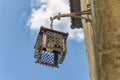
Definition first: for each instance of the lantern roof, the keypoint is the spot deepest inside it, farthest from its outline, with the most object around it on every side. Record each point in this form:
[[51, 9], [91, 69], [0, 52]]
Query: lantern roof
[[75, 6], [43, 29]]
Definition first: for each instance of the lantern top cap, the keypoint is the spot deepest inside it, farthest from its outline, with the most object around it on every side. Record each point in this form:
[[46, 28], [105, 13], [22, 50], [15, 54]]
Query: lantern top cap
[[43, 29]]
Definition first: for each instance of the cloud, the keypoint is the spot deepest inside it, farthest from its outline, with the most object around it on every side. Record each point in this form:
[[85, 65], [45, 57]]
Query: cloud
[[42, 10], [22, 16]]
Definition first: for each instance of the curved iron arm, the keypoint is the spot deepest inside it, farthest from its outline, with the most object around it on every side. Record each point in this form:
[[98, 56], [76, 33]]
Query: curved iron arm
[[74, 15]]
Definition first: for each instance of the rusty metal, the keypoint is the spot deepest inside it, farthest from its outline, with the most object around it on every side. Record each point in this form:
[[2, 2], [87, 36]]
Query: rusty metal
[[50, 47], [74, 14], [77, 15]]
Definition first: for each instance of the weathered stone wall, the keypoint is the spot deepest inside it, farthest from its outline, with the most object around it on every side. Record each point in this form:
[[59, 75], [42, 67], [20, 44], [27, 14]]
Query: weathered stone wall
[[88, 31], [107, 38]]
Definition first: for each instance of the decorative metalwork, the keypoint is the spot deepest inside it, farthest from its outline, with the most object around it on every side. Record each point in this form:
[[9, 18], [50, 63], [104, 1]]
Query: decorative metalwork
[[50, 47], [74, 15]]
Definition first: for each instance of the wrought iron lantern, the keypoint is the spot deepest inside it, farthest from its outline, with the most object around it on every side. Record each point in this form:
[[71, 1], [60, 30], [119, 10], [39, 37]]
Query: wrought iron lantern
[[50, 47]]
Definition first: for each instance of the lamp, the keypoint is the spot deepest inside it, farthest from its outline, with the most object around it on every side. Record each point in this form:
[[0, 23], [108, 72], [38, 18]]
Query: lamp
[[50, 47]]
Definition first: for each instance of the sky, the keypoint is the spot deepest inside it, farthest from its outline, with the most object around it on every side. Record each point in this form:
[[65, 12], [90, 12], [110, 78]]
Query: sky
[[20, 21]]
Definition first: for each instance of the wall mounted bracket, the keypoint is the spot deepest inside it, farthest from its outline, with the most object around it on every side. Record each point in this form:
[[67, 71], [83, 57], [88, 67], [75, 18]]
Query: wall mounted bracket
[[73, 14]]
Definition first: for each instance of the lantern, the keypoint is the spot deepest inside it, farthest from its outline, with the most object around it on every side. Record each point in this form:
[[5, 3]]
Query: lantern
[[50, 47]]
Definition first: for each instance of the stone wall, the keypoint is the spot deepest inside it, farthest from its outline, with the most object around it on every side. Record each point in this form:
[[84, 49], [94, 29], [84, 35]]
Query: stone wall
[[107, 38], [88, 31]]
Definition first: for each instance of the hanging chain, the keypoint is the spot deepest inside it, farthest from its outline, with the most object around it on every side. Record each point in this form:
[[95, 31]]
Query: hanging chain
[[51, 23]]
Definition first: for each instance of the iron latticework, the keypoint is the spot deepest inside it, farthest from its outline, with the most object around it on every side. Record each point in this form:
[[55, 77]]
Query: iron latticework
[[50, 47]]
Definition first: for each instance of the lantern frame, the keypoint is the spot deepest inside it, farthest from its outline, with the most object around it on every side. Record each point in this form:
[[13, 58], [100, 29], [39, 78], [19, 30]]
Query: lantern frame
[[50, 47]]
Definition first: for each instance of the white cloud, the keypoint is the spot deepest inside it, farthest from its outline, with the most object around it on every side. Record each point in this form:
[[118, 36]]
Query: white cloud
[[22, 16], [42, 10]]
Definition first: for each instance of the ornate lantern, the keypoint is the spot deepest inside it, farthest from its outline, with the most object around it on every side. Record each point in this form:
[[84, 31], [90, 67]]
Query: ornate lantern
[[50, 47]]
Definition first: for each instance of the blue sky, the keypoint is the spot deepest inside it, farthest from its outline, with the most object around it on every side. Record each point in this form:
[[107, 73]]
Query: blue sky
[[17, 47]]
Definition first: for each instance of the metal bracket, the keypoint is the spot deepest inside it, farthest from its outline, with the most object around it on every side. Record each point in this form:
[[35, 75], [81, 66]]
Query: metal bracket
[[74, 14]]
